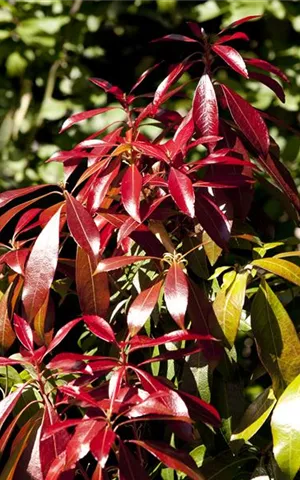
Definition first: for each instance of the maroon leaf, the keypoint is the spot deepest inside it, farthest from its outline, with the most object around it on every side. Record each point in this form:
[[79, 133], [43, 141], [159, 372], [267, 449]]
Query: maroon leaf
[[23, 332], [62, 332], [168, 81], [232, 58], [173, 458], [205, 108], [176, 293], [131, 188], [79, 395], [212, 219], [82, 227], [182, 192], [155, 151], [57, 467], [129, 226], [248, 120], [143, 76], [234, 36], [88, 286], [200, 410], [130, 468], [184, 131], [99, 327], [41, 266], [101, 445], [78, 117], [268, 67], [269, 82], [114, 263], [10, 361], [142, 307]]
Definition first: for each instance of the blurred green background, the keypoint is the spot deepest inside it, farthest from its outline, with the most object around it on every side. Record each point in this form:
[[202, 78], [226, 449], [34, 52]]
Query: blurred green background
[[49, 49]]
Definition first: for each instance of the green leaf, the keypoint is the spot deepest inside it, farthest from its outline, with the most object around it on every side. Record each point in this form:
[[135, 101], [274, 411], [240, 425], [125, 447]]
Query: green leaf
[[285, 426], [228, 307], [254, 417], [277, 340], [15, 65], [287, 270]]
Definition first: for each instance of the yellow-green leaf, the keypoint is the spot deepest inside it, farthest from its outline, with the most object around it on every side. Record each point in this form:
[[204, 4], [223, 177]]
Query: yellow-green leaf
[[228, 307], [212, 250], [255, 416], [287, 270], [7, 335], [277, 340], [286, 430]]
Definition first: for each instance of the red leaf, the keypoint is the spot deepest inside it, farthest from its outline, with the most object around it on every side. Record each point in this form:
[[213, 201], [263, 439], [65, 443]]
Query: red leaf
[[150, 150], [268, 67], [41, 266], [174, 354], [114, 263], [205, 108], [82, 227], [57, 467], [141, 341], [23, 332], [234, 36], [79, 445], [16, 260], [184, 131], [248, 120], [10, 361], [142, 307], [107, 87], [241, 21], [232, 58], [10, 195], [25, 219], [8, 403], [168, 81], [99, 327], [269, 82], [78, 117], [131, 188], [182, 192], [60, 335], [176, 293], [212, 219], [101, 186], [92, 290], [129, 226], [173, 458], [143, 76], [130, 468], [79, 395], [175, 37], [101, 445]]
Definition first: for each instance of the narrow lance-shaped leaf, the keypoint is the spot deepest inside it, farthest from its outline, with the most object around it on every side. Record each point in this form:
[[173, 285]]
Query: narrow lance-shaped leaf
[[277, 340], [182, 192], [101, 445], [99, 327], [78, 117], [131, 188], [269, 82], [82, 227], [254, 417], [287, 270], [268, 67], [7, 335], [92, 290], [171, 457], [41, 266], [129, 467], [79, 445], [286, 430], [142, 307], [234, 36], [205, 108], [23, 332], [114, 263], [232, 58], [248, 120], [228, 307], [176, 293]]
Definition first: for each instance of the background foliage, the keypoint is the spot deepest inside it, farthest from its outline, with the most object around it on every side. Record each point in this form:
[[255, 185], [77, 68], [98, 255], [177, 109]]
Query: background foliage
[[48, 50]]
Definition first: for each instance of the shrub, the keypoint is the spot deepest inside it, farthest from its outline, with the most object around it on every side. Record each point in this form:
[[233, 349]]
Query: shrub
[[128, 291]]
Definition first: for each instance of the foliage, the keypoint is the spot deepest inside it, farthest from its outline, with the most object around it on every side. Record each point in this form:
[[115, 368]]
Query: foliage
[[48, 49], [138, 292]]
